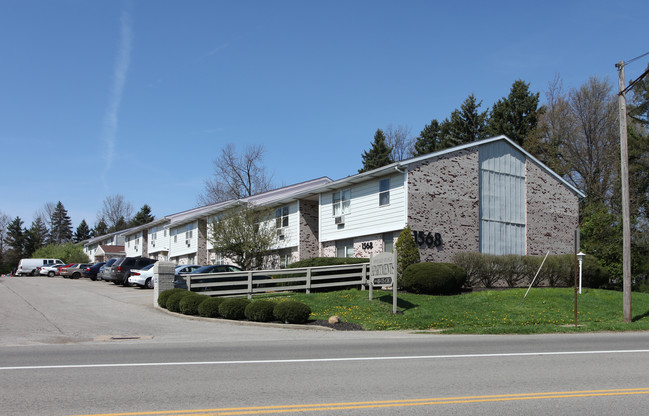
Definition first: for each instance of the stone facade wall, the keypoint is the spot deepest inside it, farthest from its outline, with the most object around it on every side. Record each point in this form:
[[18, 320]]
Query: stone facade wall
[[443, 197], [552, 213], [201, 249], [308, 246]]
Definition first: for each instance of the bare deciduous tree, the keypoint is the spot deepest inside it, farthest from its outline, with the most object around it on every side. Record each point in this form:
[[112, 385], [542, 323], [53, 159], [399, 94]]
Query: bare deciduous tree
[[578, 136], [400, 140], [236, 175], [115, 212]]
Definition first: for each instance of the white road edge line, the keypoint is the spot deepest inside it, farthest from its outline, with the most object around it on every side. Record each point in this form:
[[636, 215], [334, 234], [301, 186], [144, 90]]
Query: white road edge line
[[324, 360]]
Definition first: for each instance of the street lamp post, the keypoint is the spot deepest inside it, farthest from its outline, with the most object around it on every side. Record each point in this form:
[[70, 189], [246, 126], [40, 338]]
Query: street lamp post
[[580, 256]]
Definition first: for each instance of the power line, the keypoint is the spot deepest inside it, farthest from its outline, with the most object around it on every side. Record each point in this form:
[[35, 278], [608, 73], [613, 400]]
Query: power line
[[635, 59]]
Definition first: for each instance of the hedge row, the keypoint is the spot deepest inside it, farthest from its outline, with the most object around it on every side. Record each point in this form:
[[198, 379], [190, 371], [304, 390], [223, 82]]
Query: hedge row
[[486, 270], [192, 303]]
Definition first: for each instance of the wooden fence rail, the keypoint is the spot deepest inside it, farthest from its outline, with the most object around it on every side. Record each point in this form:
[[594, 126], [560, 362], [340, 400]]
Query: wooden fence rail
[[284, 280]]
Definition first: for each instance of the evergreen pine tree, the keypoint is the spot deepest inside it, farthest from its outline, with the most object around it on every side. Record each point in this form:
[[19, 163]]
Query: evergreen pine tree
[[35, 237], [143, 216], [83, 232], [467, 124], [61, 225], [407, 251], [515, 116], [429, 139], [100, 228], [15, 241], [378, 155]]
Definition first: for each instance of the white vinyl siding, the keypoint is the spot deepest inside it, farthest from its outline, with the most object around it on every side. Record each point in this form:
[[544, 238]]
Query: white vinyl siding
[[183, 240], [365, 216], [502, 200], [291, 232]]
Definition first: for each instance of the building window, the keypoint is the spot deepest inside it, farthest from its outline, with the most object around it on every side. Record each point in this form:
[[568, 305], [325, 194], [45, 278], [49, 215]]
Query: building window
[[284, 258], [281, 217], [174, 232], [137, 242], [388, 242], [384, 192], [341, 202], [345, 248]]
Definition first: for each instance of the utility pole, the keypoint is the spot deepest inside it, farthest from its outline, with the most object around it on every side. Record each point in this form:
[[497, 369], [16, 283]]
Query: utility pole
[[626, 217]]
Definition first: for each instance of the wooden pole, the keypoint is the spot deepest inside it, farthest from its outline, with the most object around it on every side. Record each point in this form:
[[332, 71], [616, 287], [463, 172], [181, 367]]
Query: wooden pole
[[626, 216]]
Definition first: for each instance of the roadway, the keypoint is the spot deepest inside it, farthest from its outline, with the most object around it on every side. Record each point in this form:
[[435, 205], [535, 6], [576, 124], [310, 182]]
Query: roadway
[[76, 347]]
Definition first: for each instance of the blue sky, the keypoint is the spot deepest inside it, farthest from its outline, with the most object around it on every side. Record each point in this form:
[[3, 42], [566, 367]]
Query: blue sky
[[137, 98]]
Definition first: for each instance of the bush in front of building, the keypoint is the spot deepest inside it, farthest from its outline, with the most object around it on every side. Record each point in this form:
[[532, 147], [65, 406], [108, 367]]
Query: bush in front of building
[[189, 304], [233, 308], [260, 311], [209, 308], [407, 251], [292, 312], [164, 295], [327, 261], [593, 275], [433, 279], [173, 301]]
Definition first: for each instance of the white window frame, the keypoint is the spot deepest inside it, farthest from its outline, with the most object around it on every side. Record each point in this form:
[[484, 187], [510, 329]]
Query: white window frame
[[384, 192], [282, 217], [341, 202]]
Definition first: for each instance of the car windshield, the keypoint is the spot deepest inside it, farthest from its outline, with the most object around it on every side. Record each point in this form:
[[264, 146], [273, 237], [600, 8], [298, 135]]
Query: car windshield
[[147, 267]]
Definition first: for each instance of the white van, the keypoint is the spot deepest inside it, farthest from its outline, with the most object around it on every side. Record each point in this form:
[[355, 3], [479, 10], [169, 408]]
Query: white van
[[31, 266]]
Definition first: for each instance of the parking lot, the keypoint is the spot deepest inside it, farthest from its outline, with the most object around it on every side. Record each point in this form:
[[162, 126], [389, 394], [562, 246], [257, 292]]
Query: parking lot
[[52, 310]]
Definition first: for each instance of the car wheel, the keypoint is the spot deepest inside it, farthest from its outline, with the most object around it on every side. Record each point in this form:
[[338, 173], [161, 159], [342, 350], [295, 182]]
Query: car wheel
[[33, 273], [149, 283], [76, 275], [93, 278], [115, 282], [50, 274]]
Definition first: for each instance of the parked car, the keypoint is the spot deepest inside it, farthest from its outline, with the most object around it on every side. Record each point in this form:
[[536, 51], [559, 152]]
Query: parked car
[[62, 269], [142, 277], [183, 269], [92, 270], [104, 269], [49, 270], [119, 271], [75, 271], [217, 268], [30, 266]]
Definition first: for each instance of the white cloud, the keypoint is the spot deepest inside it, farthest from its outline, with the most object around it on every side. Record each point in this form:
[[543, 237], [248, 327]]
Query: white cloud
[[111, 118]]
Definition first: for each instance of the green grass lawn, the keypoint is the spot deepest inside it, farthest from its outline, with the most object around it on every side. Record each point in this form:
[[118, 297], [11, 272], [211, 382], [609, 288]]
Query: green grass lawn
[[485, 312]]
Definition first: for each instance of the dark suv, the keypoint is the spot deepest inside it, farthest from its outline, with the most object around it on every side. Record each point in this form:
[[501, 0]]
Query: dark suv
[[118, 273]]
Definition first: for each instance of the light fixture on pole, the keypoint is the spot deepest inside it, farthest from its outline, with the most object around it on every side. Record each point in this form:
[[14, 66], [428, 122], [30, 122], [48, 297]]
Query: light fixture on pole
[[580, 257]]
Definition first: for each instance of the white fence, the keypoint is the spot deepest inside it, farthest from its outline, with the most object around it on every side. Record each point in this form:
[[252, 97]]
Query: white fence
[[265, 281]]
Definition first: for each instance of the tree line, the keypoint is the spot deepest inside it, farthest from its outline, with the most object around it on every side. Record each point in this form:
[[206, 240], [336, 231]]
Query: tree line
[[52, 226]]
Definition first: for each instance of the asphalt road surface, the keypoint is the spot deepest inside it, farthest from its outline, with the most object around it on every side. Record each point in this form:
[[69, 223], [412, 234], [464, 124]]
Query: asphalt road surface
[[77, 347]]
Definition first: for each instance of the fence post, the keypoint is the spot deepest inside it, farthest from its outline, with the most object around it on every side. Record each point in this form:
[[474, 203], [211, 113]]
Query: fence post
[[308, 280], [163, 278], [249, 285]]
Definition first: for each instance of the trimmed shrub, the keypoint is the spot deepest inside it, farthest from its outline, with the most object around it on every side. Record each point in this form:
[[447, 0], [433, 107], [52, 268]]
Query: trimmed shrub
[[292, 312], [173, 302], [260, 311], [164, 295], [407, 251], [190, 303], [209, 308], [233, 308], [433, 278], [327, 261], [472, 263]]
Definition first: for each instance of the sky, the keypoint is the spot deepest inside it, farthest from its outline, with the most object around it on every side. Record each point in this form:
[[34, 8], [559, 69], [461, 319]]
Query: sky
[[137, 98]]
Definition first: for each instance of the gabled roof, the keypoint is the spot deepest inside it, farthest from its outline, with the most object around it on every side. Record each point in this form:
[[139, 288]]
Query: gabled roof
[[277, 196], [405, 164], [111, 249], [105, 236]]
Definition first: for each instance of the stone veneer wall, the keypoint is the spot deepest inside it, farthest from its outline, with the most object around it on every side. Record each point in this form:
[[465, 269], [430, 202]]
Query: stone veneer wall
[[201, 249], [552, 213], [308, 217], [443, 197]]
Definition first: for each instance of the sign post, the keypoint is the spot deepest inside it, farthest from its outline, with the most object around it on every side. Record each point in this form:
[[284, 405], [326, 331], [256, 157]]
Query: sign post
[[383, 272]]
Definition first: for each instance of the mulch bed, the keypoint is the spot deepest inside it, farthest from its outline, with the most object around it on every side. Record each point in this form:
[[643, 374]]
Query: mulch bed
[[340, 326]]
